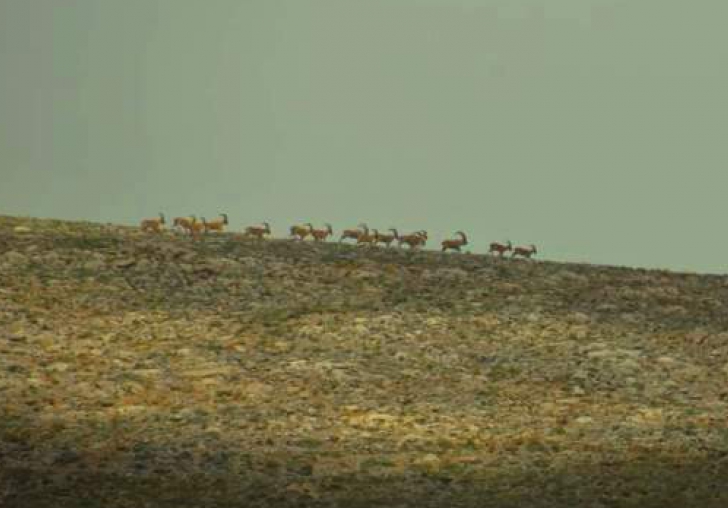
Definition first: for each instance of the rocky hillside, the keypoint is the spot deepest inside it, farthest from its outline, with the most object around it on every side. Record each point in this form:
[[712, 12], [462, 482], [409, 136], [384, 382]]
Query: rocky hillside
[[141, 370]]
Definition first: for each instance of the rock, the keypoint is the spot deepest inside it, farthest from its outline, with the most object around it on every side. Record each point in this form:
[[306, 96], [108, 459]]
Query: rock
[[583, 420], [66, 457], [647, 416], [430, 462], [666, 360], [340, 375], [453, 273], [600, 354], [224, 264], [508, 287], [257, 389], [147, 372], [364, 274], [596, 345], [533, 317], [58, 367], [93, 265], [691, 371], [361, 329], [131, 409], [183, 414], [207, 372], [187, 257], [632, 353], [580, 317], [15, 258], [628, 364], [630, 317], [673, 310], [125, 263], [51, 258], [580, 333], [206, 269], [570, 277], [21, 229], [427, 274], [143, 264]]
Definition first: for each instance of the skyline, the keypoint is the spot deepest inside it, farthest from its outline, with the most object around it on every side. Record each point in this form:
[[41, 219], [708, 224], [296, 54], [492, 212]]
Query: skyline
[[594, 129]]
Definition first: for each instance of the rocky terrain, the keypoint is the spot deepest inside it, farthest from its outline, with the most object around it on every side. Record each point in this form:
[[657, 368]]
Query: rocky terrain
[[142, 370]]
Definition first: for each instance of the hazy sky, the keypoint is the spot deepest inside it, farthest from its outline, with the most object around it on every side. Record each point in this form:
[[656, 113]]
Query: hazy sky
[[596, 129]]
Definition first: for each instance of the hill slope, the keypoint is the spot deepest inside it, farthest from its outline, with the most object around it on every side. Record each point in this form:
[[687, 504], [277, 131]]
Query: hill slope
[[245, 373]]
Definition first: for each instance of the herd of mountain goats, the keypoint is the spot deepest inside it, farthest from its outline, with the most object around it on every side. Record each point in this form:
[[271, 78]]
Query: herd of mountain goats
[[362, 235]]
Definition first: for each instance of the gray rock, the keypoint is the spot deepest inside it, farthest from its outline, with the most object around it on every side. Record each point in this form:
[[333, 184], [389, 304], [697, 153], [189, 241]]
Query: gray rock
[[94, 265], [51, 258], [125, 263], [143, 264], [453, 273], [628, 364], [364, 275], [602, 353], [15, 258], [666, 360], [580, 317], [573, 277]]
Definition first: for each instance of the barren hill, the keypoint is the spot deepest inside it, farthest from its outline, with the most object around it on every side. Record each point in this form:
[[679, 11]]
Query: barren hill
[[138, 369]]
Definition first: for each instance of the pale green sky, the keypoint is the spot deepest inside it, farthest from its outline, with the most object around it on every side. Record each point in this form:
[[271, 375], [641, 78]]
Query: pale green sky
[[596, 129]]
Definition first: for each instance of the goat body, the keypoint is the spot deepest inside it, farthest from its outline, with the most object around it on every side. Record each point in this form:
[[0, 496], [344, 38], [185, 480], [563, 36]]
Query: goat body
[[198, 227], [455, 243], [500, 248], [526, 252], [184, 223], [320, 235], [354, 234], [258, 231], [301, 232], [387, 239], [414, 240], [217, 225], [154, 225], [366, 238]]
